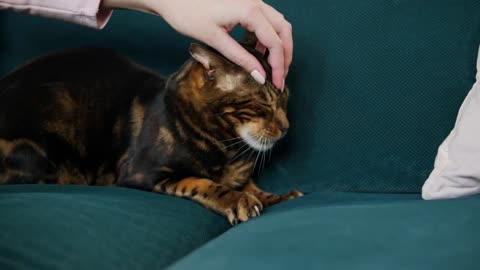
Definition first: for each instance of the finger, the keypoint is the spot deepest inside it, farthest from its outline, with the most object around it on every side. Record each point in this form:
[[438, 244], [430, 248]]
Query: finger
[[256, 22], [284, 30], [232, 50]]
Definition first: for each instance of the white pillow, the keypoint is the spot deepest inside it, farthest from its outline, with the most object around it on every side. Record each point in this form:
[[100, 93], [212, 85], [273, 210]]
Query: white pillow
[[456, 171]]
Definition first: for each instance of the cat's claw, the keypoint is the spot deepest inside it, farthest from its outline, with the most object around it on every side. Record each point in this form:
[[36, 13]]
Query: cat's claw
[[292, 195], [245, 207], [257, 210]]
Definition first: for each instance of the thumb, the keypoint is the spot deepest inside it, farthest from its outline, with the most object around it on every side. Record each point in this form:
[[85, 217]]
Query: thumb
[[233, 51]]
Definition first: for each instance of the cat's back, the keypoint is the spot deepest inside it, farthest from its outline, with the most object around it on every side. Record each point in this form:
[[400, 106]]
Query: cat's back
[[80, 67], [80, 83]]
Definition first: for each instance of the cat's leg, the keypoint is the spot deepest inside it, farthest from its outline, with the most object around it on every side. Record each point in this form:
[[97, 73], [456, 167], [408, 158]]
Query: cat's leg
[[235, 205], [269, 199], [23, 162]]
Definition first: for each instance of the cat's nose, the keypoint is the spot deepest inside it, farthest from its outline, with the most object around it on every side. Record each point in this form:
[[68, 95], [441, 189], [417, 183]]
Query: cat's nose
[[282, 127], [283, 130]]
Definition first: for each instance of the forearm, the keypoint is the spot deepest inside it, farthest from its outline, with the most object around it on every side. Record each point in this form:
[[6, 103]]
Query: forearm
[[147, 6], [208, 21], [85, 12]]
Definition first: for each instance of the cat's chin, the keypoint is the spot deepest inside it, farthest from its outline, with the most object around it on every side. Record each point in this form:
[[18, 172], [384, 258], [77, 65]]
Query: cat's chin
[[258, 143]]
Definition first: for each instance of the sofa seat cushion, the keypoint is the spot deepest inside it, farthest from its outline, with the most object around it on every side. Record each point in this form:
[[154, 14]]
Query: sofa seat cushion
[[81, 227], [350, 231]]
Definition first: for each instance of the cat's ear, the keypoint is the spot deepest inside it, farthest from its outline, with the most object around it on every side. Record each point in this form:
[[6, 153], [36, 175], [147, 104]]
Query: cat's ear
[[249, 39], [204, 56]]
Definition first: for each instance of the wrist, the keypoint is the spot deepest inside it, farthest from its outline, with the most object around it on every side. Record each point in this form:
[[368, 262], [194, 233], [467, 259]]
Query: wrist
[[147, 6]]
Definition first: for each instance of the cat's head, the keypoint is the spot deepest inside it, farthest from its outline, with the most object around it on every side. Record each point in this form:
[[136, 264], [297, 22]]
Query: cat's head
[[233, 104]]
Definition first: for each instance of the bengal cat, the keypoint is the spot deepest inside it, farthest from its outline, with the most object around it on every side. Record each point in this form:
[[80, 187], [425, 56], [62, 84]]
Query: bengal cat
[[89, 116]]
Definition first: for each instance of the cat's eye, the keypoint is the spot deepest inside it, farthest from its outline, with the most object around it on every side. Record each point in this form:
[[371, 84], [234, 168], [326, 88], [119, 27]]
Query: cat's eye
[[264, 103], [241, 102]]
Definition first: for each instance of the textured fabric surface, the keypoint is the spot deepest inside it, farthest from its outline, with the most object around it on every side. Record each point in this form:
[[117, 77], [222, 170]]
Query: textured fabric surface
[[376, 84], [457, 170], [350, 231], [376, 87], [143, 37], [72, 227]]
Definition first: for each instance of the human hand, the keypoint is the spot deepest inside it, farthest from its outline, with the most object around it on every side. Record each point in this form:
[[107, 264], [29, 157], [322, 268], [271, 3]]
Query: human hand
[[210, 21]]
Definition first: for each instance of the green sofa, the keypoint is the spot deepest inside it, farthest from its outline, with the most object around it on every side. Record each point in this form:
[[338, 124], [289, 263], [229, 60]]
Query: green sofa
[[376, 86]]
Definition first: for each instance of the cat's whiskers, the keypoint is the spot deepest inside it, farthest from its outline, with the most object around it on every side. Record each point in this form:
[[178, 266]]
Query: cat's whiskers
[[261, 156], [270, 153], [218, 114], [232, 139], [258, 154], [235, 156], [241, 153], [265, 150], [264, 140], [222, 143], [256, 159], [230, 145], [251, 153]]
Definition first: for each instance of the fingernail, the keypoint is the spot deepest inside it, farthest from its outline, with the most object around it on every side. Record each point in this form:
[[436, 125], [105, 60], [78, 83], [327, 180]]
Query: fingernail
[[283, 85], [258, 77]]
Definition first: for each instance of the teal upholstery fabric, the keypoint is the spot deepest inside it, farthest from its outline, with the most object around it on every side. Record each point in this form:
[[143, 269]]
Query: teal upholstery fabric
[[143, 37], [376, 87], [75, 227], [376, 84], [350, 231]]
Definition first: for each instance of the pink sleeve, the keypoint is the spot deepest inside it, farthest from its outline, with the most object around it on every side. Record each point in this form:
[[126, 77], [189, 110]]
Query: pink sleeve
[[85, 12]]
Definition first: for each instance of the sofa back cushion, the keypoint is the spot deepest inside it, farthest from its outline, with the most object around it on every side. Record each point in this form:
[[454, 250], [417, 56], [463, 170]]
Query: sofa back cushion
[[375, 84]]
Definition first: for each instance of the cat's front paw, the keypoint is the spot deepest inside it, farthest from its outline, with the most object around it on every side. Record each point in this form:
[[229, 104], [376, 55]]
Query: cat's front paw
[[243, 207]]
